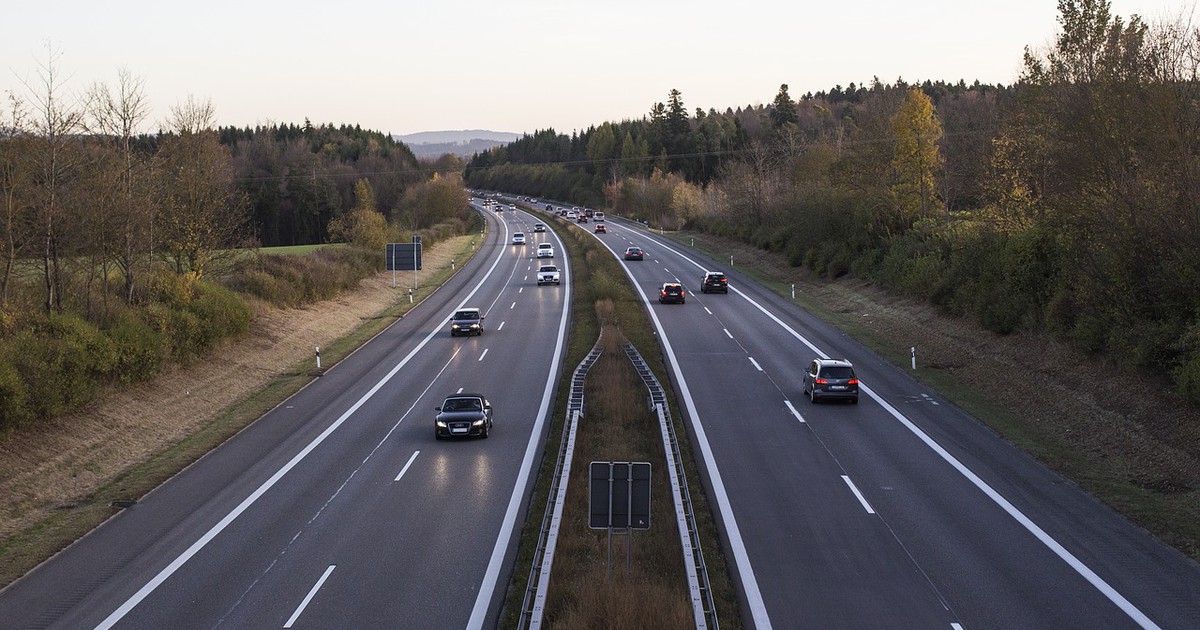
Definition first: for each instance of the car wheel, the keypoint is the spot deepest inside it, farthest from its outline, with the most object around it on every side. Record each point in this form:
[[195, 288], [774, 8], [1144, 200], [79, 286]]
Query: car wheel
[[486, 431], [812, 396], [436, 435]]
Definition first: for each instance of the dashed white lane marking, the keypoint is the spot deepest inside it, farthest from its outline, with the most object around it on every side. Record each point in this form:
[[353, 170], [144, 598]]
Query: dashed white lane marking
[[793, 410], [485, 351], [460, 390], [316, 587], [501, 327], [861, 498], [727, 334], [514, 305], [709, 312], [522, 289], [410, 461], [756, 365]]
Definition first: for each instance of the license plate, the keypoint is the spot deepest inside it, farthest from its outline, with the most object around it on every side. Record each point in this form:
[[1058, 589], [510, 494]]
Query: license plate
[[839, 387], [458, 430]]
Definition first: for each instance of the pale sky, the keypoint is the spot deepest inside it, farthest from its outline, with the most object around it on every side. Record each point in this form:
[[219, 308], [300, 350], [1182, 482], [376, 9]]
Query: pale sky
[[520, 65]]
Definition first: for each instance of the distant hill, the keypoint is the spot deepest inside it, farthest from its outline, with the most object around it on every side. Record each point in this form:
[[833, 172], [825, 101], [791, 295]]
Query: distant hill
[[466, 142]]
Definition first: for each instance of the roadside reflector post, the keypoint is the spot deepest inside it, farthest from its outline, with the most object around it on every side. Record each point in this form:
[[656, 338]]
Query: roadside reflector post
[[693, 241], [410, 296], [318, 357], [731, 260], [793, 291], [914, 357]]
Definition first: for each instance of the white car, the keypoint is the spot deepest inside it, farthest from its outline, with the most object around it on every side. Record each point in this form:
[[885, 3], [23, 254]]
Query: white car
[[518, 238], [539, 227], [572, 215], [545, 250], [547, 274]]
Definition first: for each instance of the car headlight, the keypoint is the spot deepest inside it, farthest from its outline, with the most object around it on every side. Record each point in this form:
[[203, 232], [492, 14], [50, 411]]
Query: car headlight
[[441, 424], [478, 422]]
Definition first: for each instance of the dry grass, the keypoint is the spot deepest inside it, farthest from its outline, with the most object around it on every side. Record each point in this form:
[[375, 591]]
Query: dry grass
[[617, 426], [58, 478]]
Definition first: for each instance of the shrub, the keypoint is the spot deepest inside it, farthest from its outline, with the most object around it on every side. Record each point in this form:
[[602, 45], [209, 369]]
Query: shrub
[[139, 349], [14, 395]]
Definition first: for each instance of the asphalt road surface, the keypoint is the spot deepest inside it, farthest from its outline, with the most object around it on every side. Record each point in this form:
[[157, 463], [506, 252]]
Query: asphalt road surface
[[899, 512], [339, 509]]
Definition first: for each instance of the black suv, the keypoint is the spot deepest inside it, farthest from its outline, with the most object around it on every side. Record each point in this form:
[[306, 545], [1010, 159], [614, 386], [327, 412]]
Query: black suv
[[831, 378], [714, 282], [671, 292], [463, 415]]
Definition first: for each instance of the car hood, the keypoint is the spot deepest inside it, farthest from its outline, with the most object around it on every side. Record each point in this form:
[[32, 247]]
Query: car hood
[[451, 416]]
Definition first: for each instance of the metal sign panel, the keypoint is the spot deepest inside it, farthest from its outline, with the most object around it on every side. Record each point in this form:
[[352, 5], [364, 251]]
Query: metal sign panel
[[619, 495], [404, 256]]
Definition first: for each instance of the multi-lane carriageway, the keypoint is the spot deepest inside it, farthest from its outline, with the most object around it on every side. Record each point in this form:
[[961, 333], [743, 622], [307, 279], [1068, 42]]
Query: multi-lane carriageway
[[339, 509]]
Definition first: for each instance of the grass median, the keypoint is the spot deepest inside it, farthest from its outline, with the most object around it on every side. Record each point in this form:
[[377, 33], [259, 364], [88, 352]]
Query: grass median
[[617, 427]]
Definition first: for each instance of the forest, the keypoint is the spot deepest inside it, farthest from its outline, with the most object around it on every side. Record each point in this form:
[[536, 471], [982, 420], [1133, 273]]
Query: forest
[[1067, 203], [124, 251]]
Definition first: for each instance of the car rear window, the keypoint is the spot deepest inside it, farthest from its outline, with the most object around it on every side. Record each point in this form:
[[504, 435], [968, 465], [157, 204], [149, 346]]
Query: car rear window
[[837, 371]]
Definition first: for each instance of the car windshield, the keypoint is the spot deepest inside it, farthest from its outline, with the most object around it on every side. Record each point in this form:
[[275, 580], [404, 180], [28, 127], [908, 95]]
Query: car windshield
[[462, 404], [466, 315], [837, 371]]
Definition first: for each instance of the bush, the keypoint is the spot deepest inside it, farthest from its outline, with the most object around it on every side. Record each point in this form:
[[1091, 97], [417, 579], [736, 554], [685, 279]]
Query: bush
[[139, 349], [14, 395]]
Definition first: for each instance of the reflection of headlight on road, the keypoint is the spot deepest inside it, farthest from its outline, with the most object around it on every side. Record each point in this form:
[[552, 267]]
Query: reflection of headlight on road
[[441, 424]]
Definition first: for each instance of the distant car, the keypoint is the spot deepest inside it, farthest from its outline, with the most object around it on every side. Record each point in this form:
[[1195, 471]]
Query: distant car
[[463, 415], [562, 212], [499, 207], [539, 227], [547, 274], [466, 321], [549, 208], [589, 213], [533, 200], [572, 214], [831, 378], [634, 253], [545, 250], [581, 218], [598, 216], [714, 282], [600, 229], [671, 293], [518, 238]]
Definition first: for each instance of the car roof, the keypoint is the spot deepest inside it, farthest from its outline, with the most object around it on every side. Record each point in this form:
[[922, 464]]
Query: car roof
[[834, 362], [671, 284], [465, 395]]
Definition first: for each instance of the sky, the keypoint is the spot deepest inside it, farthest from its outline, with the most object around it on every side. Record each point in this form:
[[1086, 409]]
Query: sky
[[517, 65]]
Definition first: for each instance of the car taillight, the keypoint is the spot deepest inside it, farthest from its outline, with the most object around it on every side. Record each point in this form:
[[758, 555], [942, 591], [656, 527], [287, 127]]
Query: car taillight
[[821, 381], [852, 381]]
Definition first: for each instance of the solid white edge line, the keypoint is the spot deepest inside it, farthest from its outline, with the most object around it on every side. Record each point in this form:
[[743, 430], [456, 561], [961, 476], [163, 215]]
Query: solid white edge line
[[793, 410], [861, 498], [756, 365], [485, 351], [492, 575], [308, 598], [727, 333], [1082, 569], [410, 463], [195, 547], [560, 501], [754, 600]]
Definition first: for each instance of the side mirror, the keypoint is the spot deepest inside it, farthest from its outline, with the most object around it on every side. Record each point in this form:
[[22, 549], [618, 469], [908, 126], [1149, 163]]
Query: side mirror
[[437, 408]]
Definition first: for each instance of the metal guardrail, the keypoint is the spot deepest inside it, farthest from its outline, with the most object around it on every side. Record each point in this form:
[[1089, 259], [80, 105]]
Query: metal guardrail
[[534, 603], [703, 609]]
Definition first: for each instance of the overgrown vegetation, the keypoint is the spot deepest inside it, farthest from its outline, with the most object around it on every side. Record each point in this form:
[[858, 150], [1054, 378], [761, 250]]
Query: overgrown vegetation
[[1065, 203], [119, 249]]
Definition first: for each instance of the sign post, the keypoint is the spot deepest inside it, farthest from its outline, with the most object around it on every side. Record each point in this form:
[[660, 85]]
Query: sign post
[[619, 500]]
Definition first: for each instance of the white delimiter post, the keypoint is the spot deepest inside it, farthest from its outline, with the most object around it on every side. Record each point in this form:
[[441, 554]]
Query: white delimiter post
[[318, 357], [914, 357]]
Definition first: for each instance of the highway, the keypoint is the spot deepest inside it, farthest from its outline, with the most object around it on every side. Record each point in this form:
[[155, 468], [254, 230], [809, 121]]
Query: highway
[[339, 509], [899, 512]]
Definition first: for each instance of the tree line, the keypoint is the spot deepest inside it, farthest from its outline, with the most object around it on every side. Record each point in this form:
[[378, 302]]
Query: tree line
[[123, 250], [1066, 203]]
